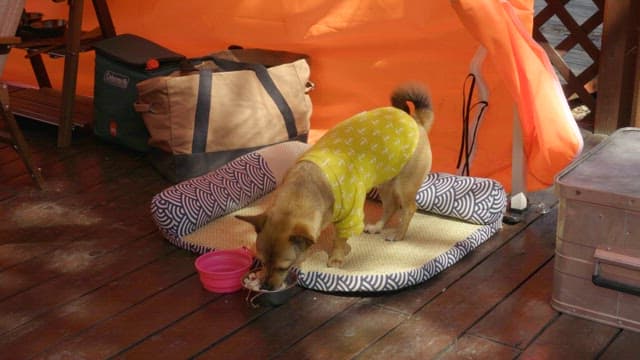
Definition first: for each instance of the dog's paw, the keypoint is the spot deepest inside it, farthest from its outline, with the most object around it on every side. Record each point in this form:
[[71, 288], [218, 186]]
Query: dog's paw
[[394, 237], [334, 262], [373, 228], [336, 259]]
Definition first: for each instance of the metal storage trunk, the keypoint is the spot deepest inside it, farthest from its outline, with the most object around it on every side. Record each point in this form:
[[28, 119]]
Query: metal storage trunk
[[597, 262]]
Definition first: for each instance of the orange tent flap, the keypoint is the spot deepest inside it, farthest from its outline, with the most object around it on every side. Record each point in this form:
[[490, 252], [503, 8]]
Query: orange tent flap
[[360, 50], [550, 134]]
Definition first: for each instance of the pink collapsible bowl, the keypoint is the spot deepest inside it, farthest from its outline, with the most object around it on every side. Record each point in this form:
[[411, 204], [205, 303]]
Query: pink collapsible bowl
[[221, 271]]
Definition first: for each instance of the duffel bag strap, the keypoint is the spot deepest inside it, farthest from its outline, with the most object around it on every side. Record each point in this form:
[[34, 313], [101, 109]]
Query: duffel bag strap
[[203, 108], [269, 85]]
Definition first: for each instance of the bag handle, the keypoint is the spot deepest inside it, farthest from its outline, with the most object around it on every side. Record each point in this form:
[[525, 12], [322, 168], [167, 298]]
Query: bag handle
[[203, 105], [265, 57]]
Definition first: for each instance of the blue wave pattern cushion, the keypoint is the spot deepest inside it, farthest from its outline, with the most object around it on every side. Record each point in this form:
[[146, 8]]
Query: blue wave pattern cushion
[[190, 207], [185, 207], [472, 199]]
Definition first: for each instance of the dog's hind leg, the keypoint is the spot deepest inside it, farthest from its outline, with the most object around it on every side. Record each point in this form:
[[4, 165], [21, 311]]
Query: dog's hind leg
[[407, 210], [400, 196], [389, 207], [403, 188]]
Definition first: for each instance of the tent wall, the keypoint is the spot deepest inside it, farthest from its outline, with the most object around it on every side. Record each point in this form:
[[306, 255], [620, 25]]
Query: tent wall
[[359, 51]]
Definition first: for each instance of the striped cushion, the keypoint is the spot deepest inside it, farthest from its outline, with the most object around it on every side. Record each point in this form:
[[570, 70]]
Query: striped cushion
[[185, 207], [472, 199]]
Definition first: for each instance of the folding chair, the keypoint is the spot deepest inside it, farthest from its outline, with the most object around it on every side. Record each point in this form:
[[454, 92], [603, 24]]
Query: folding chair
[[11, 12]]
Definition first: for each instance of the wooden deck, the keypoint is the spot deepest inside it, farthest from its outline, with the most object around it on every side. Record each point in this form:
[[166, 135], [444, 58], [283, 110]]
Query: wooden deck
[[84, 274]]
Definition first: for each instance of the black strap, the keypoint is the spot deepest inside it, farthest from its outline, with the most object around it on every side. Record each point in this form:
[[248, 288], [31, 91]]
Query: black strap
[[468, 141], [203, 108], [270, 86]]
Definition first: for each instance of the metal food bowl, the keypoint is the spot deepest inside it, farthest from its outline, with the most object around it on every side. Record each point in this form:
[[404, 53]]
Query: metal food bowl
[[258, 296]]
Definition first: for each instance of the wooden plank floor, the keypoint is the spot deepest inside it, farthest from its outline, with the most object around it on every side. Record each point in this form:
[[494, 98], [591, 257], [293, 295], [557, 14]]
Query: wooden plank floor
[[84, 274]]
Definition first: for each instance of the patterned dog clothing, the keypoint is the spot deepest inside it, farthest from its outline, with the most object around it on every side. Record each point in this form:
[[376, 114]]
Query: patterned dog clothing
[[360, 153]]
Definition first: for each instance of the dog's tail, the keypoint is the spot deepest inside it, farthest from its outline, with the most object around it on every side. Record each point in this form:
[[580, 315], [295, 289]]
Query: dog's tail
[[421, 100]]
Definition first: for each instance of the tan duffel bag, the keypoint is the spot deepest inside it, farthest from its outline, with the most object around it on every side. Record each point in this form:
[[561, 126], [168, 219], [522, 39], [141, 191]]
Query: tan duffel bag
[[223, 106]]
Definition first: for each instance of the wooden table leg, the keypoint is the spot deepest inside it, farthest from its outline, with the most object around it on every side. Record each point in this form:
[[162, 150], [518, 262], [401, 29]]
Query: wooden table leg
[[16, 138], [70, 72], [104, 18], [39, 70]]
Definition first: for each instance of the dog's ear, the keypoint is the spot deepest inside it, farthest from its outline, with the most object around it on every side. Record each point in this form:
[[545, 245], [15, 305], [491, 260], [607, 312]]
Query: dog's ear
[[301, 237], [256, 220]]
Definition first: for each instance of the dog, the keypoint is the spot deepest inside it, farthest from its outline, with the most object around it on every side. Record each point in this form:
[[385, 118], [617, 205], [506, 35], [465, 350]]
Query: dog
[[387, 148]]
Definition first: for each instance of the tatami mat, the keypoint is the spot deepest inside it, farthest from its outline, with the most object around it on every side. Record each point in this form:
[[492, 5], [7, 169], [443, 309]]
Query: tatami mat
[[432, 243]]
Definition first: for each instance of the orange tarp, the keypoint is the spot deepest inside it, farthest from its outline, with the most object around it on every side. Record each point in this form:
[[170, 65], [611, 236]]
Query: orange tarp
[[359, 51], [551, 136]]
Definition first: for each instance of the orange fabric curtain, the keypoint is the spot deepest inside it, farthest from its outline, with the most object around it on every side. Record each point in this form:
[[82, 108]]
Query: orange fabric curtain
[[360, 50], [550, 134]]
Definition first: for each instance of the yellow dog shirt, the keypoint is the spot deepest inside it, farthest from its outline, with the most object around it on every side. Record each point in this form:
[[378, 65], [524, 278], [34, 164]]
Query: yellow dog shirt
[[360, 153]]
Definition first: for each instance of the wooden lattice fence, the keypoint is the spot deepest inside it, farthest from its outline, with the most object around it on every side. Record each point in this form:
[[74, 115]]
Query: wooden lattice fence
[[593, 44], [570, 34]]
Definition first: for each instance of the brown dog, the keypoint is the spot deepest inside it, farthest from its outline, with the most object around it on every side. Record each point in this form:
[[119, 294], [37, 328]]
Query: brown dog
[[385, 148]]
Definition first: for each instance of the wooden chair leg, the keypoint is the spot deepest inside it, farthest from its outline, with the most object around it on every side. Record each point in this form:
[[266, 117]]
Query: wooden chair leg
[[70, 75], [16, 139], [40, 71]]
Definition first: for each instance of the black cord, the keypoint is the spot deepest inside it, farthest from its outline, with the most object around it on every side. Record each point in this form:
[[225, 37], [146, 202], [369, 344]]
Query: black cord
[[465, 118], [466, 144]]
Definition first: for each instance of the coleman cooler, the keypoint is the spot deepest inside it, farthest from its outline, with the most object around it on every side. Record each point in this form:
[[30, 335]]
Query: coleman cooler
[[121, 62], [597, 262]]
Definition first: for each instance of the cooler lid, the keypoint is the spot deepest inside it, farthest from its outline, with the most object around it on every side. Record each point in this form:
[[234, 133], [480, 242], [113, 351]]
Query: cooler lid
[[608, 174], [135, 50]]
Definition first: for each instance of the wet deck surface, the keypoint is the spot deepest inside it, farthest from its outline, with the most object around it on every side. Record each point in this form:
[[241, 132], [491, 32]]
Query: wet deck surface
[[84, 273]]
